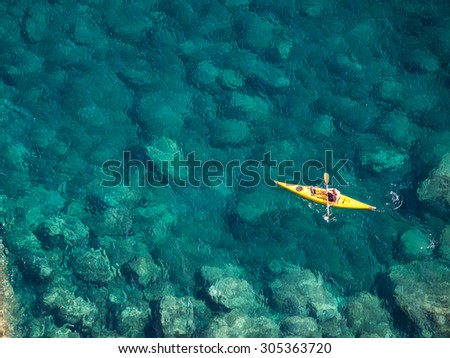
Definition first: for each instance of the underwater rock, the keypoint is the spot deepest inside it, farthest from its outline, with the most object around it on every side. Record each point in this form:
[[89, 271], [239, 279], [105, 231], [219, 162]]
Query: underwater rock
[[126, 196], [205, 76], [380, 159], [252, 207], [421, 290], [22, 67], [257, 33], [237, 324], [417, 10], [335, 328], [183, 12], [115, 221], [17, 240], [177, 316], [207, 108], [35, 266], [60, 332], [11, 309], [367, 317], [300, 104], [145, 269], [6, 294], [162, 112], [233, 4], [36, 24], [198, 49], [39, 204], [10, 35], [158, 216], [354, 114], [166, 59], [442, 35], [46, 139], [61, 231], [6, 206], [345, 67], [132, 321], [435, 191], [139, 76], [419, 104], [392, 90], [127, 25], [302, 293], [298, 326], [360, 260], [68, 308], [255, 108], [108, 103], [86, 30], [233, 293], [365, 30], [283, 48], [419, 60], [399, 129], [323, 126], [256, 71], [160, 289], [415, 245], [34, 263], [227, 287], [280, 150], [117, 299], [313, 8], [91, 266], [65, 53], [16, 154], [230, 132], [217, 27], [211, 274], [45, 327], [122, 251], [92, 116], [163, 151], [444, 248], [230, 79]]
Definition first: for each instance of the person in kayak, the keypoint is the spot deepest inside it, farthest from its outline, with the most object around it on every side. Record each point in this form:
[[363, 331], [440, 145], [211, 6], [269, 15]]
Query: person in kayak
[[333, 195]]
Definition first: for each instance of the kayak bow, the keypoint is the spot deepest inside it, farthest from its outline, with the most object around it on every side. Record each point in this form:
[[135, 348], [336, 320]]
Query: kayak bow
[[320, 197]]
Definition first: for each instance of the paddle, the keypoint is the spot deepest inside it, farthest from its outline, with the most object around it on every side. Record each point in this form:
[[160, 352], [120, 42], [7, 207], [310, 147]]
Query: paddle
[[326, 179]]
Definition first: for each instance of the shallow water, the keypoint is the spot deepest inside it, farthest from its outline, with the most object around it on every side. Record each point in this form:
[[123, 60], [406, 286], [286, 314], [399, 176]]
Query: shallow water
[[228, 81]]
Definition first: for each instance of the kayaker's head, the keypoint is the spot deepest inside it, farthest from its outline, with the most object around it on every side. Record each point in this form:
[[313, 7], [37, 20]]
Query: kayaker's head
[[330, 196]]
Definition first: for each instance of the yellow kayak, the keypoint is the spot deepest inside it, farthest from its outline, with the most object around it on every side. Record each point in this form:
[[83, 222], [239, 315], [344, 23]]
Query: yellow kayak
[[320, 196]]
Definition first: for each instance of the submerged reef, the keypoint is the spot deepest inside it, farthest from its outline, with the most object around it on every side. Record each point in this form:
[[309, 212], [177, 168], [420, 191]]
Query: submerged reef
[[421, 291], [4, 286], [11, 314], [435, 190]]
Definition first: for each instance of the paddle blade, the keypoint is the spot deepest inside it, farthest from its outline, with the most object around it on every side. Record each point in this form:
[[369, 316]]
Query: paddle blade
[[326, 178]]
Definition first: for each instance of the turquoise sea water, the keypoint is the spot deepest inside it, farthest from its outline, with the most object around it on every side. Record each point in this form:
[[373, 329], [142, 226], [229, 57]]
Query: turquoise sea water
[[84, 82]]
